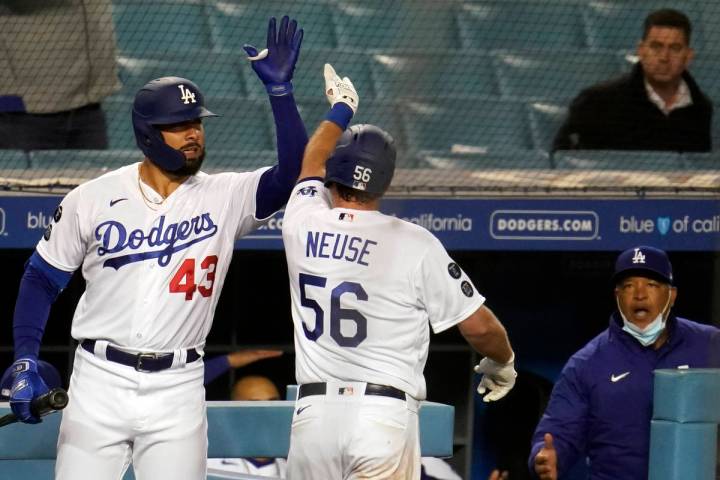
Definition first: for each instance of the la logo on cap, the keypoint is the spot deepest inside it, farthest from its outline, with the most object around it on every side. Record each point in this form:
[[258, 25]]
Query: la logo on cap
[[638, 257]]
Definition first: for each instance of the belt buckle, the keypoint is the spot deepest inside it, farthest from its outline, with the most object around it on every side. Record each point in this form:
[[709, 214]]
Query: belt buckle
[[144, 356]]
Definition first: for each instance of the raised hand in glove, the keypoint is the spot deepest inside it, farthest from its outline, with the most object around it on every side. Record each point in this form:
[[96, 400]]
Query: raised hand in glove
[[27, 385], [498, 378], [339, 89], [276, 63]]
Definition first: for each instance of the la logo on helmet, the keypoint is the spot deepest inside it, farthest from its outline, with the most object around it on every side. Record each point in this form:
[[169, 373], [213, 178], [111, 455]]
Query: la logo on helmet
[[639, 257], [187, 95]]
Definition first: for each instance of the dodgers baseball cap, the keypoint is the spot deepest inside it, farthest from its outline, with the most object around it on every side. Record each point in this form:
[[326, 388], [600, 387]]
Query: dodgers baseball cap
[[643, 260], [47, 372]]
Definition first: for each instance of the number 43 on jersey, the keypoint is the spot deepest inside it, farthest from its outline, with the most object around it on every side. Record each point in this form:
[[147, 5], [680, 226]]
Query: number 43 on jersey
[[184, 279]]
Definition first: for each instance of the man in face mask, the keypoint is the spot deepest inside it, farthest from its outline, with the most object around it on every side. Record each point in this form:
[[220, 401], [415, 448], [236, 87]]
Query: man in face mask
[[601, 406]]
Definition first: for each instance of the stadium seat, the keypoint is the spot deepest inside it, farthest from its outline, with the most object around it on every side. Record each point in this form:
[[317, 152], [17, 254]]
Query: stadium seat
[[470, 126], [308, 82], [237, 22], [244, 124], [545, 120], [617, 160], [239, 160], [557, 75], [522, 24], [118, 116], [161, 26], [215, 74], [14, 160], [618, 24], [65, 161], [454, 74], [400, 25], [705, 68], [383, 114], [518, 159], [702, 161]]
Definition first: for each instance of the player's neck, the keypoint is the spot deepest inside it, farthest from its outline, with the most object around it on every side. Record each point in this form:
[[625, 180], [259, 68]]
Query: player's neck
[[159, 180], [338, 202]]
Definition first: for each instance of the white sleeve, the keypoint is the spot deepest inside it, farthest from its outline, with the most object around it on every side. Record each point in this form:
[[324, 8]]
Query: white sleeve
[[308, 196], [447, 292], [65, 240], [242, 200]]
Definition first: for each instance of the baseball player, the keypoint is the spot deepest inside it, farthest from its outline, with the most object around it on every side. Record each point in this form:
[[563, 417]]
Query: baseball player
[[364, 288], [154, 240]]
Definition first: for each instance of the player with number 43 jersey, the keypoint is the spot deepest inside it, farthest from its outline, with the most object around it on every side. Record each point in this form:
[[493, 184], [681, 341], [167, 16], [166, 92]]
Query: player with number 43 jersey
[[366, 288], [154, 241]]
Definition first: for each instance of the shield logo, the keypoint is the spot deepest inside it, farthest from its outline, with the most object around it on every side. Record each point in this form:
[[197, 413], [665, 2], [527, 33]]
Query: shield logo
[[663, 224]]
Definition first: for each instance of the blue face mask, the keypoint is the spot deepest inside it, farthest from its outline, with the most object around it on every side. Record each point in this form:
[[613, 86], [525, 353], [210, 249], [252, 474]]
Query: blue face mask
[[648, 335]]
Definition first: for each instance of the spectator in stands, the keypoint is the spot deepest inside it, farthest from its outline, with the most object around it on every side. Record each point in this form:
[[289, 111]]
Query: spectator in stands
[[601, 406], [657, 106], [58, 63]]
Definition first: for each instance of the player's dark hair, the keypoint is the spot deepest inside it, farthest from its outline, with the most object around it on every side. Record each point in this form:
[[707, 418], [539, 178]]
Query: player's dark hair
[[353, 195], [668, 17]]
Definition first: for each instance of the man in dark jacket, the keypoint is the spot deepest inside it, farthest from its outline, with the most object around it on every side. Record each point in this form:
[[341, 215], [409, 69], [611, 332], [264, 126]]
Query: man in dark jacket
[[601, 406], [657, 106]]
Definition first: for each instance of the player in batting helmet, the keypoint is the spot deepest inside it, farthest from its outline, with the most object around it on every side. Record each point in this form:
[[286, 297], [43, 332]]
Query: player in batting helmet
[[364, 159], [166, 101]]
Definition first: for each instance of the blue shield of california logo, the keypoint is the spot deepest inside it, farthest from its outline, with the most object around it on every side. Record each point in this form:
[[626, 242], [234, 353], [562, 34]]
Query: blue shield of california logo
[[663, 224]]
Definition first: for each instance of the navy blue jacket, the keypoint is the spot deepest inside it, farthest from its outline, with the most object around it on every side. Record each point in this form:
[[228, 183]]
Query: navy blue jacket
[[601, 406]]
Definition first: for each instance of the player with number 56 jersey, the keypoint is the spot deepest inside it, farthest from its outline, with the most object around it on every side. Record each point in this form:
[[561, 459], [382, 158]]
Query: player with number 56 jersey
[[366, 289], [154, 241]]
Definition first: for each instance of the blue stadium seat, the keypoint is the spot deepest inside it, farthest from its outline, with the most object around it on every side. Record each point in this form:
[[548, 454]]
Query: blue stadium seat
[[308, 82], [467, 125], [557, 75], [522, 24], [453, 74], [401, 25], [215, 74], [617, 160], [239, 160], [83, 160], [118, 116], [144, 27], [545, 120], [518, 159], [705, 68], [244, 124], [618, 24], [236, 22], [14, 160], [702, 161], [384, 114]]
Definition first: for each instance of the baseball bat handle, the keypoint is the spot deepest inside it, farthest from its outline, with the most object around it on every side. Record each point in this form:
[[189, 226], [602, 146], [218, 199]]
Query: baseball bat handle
[[52, 401]]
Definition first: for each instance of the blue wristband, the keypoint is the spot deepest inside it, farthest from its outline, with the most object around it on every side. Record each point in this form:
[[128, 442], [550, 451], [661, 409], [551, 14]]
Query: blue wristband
[[340, 114], [279, 89]]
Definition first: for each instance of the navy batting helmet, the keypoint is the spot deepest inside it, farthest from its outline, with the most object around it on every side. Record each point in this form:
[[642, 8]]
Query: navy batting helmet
[[364, 159], [165, 101]]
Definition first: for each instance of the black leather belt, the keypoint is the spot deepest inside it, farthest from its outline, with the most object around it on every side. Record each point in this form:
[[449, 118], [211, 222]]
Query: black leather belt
[[307, 389], [142, 362]]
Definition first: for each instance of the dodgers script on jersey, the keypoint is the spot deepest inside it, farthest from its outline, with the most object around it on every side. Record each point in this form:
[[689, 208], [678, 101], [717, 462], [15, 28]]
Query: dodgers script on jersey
[[365, 286], [154, 269]]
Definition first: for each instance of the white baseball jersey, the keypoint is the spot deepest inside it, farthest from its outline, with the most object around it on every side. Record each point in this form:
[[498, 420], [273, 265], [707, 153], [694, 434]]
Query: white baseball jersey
[[153, 272], [364, 288]]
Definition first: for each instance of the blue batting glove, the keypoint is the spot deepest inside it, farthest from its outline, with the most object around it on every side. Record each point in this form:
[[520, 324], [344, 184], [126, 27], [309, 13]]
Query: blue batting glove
[[275, 64], [27, 385]]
